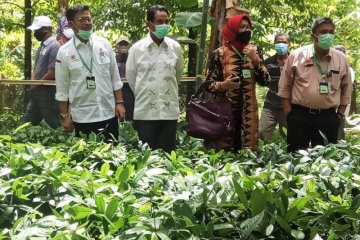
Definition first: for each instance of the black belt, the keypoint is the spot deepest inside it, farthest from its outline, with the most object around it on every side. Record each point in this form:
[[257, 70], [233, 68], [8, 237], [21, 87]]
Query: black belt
[[314, 110]]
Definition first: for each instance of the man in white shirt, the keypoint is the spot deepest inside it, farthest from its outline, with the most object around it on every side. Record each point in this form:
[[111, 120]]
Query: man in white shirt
[[153, 70], [87, 80]]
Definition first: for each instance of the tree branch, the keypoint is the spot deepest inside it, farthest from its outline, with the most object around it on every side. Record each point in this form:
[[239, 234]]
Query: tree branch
[[15, 4]]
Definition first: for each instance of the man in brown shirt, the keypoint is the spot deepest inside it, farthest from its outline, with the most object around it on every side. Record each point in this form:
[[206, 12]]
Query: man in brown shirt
[[315, 87]]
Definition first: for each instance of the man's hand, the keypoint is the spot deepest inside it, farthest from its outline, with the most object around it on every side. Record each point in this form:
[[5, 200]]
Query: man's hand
[[67, 123], [286, 105], [120, 110], [341, 110]]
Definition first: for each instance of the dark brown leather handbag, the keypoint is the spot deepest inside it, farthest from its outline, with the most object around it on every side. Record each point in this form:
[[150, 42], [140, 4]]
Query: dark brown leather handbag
[[210, 117]]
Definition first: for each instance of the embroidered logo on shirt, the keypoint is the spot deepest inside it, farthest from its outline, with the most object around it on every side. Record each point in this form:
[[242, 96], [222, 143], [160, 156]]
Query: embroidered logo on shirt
[[152, 106], [72, 58], [168, 79], [167, 66], [166, 106], [151, 67]]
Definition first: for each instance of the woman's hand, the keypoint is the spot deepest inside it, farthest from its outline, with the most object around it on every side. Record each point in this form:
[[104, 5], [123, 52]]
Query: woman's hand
[[250, 51], [231, 82]]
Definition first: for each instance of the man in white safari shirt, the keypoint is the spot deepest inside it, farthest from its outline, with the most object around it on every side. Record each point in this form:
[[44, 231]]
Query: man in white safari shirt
[[153, 69], [88, 81]]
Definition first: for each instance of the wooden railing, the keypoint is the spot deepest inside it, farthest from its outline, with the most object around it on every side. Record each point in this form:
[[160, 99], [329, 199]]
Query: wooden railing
[[52, 83], [4, 83]]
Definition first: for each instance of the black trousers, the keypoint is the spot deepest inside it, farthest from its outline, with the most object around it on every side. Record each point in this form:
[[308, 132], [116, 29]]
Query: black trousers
[[159, 134], [109, 128], [305, 125]]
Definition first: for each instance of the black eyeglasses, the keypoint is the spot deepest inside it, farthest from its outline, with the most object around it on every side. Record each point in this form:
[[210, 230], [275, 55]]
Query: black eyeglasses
[[84, 20]]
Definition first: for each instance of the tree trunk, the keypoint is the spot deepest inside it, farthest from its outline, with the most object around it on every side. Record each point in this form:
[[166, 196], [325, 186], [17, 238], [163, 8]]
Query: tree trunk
[[221, 10], [27, 67], [191, 65]]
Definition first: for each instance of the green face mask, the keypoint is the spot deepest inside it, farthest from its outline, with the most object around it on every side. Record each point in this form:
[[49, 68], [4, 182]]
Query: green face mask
[[325, 41], [84, 34], [161, 30]]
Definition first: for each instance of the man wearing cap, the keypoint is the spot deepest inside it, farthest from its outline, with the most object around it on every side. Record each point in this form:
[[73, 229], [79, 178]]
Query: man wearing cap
[[315, 87], [88, 84], [122, 49], [153, 70], [42, 104]]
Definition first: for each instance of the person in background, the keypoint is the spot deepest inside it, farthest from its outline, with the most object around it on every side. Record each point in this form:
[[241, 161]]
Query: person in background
[[64, 33], [315, 87], [122, 51], [88, 84], [42, 104], [153, 70], [341, 136], [272, 112], [236, 67]]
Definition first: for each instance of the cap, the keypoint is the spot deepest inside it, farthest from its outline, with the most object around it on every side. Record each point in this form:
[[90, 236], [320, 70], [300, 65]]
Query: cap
[[40, 21], [122, 38]]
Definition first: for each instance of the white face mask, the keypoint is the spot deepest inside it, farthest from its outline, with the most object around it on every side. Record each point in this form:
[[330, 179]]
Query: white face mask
[[68, 32]]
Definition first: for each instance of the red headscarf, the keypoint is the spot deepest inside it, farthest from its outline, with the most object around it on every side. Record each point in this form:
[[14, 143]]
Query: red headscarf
[[231, 28]]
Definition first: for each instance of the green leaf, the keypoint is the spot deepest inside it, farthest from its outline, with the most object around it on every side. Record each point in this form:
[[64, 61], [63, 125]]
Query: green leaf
[[162, 236], [82, 212], [257, 202], [188, 19], [183, 39], [187, 3], [100, 203], [297, 234], [105, 169], [145, 207], [111, 208], [5, 171], [296, 207], [269, 230], [21, 127], [355, 204], [249, 225], [282, 222], [240, 192]]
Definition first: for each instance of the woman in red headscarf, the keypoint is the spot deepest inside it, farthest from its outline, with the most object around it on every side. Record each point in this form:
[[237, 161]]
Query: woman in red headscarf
[[235, 67]]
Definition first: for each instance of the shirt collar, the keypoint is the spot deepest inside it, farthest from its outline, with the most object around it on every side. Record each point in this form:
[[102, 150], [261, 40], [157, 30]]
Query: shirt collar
[[310, 55], [78, 41], [46, 42], [149, 41]]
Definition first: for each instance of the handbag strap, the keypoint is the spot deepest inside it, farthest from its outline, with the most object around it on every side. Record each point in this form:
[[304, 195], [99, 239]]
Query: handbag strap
[[204, 86]]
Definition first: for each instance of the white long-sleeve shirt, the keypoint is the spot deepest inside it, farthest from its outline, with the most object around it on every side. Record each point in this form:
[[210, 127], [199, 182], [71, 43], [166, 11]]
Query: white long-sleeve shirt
[[153, 73], [87, 105]]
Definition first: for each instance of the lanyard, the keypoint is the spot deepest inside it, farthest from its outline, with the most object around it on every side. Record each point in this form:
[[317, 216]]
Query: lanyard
[[243, 57], [82, 60], [317, 62]]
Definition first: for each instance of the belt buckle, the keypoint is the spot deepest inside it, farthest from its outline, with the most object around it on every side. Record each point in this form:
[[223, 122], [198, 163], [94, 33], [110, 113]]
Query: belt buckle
[[314, 111]]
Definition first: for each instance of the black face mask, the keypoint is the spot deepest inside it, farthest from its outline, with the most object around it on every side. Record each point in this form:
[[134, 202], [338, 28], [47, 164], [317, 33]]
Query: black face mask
[[39, 35], [243, 37]]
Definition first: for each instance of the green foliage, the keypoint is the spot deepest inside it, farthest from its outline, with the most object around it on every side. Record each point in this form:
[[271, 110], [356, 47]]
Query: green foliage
[[68, 188]]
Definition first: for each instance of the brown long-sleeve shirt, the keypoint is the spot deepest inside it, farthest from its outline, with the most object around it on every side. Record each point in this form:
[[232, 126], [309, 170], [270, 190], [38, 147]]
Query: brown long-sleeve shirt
[[300, 79]]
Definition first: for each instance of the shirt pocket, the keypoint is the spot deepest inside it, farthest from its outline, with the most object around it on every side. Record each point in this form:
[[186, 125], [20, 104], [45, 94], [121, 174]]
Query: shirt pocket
[[335, 80], [75, 69], [103, 60]]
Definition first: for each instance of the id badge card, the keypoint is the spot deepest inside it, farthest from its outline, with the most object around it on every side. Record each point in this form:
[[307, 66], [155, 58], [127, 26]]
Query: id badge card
[[246, 73], [90, 82], [324, 88]]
